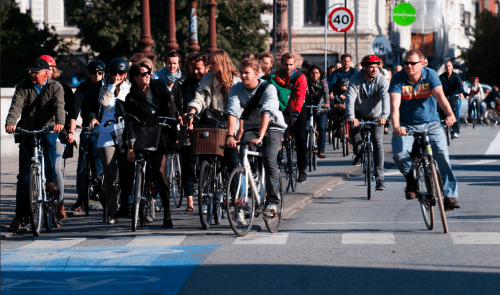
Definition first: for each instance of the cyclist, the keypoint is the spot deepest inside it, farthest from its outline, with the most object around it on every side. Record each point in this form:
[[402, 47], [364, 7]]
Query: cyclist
[[295, 80], [317, 94], [262, 121], [367, 99], [414, 93], [39, 101], [95, 73], [452, 88], [476, 93], [345, 71]]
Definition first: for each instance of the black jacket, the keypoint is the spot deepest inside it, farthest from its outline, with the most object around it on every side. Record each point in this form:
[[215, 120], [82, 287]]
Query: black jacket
[[90, 105], [162, 104]]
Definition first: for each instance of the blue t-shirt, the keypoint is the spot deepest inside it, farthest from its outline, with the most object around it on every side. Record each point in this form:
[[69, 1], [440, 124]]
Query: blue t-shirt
[[418, 106]]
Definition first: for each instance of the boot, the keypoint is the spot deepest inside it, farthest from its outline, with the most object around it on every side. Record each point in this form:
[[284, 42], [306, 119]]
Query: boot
[[411, 187], [167, 218], [190, 207]]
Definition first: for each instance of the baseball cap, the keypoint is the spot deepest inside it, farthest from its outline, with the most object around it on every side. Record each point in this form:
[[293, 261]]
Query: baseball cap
[[37, 65], [49, 59]]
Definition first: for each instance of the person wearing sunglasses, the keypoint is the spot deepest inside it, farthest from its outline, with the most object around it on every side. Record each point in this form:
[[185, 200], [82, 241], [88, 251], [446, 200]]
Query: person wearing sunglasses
[[415, 93], [95, 73], [147, 100]]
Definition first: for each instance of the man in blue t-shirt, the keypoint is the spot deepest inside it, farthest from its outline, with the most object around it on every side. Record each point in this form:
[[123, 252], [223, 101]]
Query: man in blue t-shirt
[[346, 71], [414, 93]]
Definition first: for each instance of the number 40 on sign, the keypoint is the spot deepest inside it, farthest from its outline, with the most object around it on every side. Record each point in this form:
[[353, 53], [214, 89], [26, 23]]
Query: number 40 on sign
[[341, 19]]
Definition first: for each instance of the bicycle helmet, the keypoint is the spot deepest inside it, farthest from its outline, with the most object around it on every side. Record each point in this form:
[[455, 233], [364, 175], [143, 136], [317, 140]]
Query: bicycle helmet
[[96, 65], [49, 59], [343, 82], [118, 65], [370, 59]]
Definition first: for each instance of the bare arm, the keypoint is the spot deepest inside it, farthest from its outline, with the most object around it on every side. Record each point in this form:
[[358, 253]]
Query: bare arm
[[395, 104], [231, 128], [438, 93]]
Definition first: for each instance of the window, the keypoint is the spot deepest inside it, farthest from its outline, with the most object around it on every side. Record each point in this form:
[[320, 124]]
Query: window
[[314, 12]]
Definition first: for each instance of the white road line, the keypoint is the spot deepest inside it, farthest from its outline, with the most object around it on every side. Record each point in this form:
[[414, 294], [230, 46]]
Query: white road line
[[368, 238], [59, 243], [156, 241], [400, 222], [262, 239], [486, 238], [494, 148]]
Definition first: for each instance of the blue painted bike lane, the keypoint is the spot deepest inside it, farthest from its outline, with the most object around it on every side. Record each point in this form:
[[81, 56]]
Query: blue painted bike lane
[[100, 270]]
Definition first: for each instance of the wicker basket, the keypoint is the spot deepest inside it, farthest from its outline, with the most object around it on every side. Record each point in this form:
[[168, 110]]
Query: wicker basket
[[207, 141]]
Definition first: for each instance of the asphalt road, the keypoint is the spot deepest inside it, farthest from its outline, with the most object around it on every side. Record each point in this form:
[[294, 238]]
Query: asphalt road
[[337, 242]]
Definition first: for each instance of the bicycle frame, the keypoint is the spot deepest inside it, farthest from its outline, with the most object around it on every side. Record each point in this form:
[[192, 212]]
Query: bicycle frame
[[248, 169]]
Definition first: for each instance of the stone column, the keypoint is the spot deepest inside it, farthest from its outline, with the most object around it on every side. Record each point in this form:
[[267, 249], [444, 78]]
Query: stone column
[[282, 34], [193, 28], [212, 45], [146, 40], [171, 39]]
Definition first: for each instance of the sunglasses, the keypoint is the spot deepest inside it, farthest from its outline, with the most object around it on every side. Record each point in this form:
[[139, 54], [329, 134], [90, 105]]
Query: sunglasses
[[406, 63], [145, 74], [113, 73], [99, 73]]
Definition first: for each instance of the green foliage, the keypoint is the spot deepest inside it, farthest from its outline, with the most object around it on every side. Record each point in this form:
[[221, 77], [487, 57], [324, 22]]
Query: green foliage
[[482, 59], [21, 41], [112, 28]]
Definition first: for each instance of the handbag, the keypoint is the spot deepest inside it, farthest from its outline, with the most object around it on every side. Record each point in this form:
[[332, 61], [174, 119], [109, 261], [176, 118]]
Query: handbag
[[117, 134]]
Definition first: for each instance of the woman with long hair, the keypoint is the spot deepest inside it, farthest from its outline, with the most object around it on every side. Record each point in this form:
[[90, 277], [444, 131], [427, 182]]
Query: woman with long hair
[[317, 94]]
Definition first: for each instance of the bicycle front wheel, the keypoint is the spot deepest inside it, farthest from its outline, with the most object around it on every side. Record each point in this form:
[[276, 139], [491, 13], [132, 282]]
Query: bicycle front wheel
[[273, 224], [206, 194], [438, 193], [36, 205], [292, 166], [240, 210], [448, 135], [283, 163], [138, 185], [345, 147], [49, 215], [310, 149], [369, 172], [425, 196], [176, 180]]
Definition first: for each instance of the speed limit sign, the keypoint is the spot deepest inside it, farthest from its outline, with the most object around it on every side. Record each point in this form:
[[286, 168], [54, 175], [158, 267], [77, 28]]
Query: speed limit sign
[[341, 19]]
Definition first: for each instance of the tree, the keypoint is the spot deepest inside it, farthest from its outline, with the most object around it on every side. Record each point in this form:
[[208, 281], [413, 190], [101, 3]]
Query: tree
[[21, 42], [482, 58], [112, 28]]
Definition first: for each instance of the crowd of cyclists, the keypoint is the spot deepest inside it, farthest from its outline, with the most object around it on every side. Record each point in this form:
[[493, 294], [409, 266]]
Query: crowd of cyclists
[[248, 102]]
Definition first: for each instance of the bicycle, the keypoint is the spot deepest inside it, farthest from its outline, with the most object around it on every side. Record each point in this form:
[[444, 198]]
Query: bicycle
[[174, 177], [287, 160], [430, 184], [93, 187], [312, 138], [472, 113], [244, 204], [367, 163], [42, 203]]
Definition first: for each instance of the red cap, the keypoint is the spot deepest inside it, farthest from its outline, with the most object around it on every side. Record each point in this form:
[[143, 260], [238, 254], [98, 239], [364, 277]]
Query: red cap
[[49, 59]]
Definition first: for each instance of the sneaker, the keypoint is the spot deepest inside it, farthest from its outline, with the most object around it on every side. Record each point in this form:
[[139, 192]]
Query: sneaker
[[52, 187], [205, 209], [241, 218], [455, 135], [302, 177], [60, 213], [270, 211], [451, 204], [321, 155], [112, 221], [15, 225], [386, 130], [357, 160], [380, 185], [411, 187]]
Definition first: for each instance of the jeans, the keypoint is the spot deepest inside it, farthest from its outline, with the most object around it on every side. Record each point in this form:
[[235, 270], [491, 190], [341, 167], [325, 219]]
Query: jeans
[[321, 127], [48, 143], [60, 177], [481, 106], [455, 103], [402, 146], [378, 147], [270, 147], [95, 164]]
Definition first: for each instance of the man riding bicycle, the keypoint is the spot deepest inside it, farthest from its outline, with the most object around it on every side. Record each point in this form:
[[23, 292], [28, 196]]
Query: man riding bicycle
[[367, 99], [414, 93], [453, 89], [262, 121]]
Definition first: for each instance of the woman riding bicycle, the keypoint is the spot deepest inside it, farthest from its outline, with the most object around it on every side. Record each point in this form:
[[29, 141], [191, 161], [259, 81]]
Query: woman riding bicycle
[[476, 93], [147, 100], [317, 94]]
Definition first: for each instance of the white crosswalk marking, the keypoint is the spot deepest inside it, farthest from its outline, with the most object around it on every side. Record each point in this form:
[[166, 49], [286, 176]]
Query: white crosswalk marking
[[156, 241], [368, 238], [491, 238], [262, 239], [59, 243]]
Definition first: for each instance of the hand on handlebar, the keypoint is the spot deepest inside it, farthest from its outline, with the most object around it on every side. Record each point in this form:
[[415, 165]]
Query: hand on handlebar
[[92, 124], [450, 120], [255, 142], [231, 142], [10, 129], [382, 121], [399, 131], [58, 127], [354, 122]]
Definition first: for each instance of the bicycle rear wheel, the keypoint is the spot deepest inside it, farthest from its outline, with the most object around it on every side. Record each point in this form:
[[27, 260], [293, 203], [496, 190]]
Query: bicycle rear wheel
[[426, 199], [138, 190], [240, 211], [206, 194], [218, 197], [315, 151], [438, 193], [369, 171], [345, 151], [273, 224], [474, 116], [36, 206]]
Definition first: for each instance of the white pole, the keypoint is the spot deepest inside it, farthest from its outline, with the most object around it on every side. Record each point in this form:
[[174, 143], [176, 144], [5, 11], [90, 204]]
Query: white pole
[[326, 25]]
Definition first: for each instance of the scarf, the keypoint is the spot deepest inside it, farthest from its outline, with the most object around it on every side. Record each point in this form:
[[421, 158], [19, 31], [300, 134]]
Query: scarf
[[168, 77]]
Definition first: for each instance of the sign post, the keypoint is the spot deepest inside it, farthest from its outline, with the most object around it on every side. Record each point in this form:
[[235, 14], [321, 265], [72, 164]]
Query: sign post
[[326, 27]]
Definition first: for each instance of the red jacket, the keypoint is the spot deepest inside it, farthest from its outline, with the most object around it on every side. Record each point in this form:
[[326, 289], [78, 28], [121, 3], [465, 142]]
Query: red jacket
[[298, 95]]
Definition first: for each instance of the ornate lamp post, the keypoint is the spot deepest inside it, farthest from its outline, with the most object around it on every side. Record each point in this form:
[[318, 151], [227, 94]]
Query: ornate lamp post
[[171, 40], [282, 45], [212, 45], [193, 28], [146, 40]]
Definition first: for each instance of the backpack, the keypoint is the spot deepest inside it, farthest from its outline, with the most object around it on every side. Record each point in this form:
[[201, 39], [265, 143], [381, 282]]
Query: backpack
[[212, 118], [254, 102], [284, 92]]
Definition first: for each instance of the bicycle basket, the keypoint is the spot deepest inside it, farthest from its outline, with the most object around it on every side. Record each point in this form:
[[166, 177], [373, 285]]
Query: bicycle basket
[[145, 137], [207, 141]]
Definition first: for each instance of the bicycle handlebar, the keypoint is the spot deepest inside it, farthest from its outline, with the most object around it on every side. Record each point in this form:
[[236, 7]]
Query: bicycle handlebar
[[368, 123], [46, 129], [416, 132], [139, 121]]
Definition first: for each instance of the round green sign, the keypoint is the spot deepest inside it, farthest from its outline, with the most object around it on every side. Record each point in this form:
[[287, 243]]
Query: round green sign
[[404, 14]]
